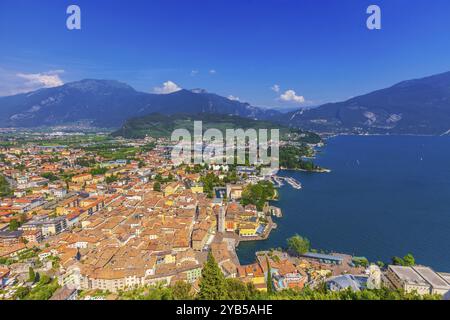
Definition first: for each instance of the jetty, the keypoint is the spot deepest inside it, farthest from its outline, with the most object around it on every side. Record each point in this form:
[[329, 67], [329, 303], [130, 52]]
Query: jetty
[[275, 211], [293, 183], [279, 182]]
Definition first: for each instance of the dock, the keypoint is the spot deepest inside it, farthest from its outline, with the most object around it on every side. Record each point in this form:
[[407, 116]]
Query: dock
[[294, 183], [275, 211], [279, 182]]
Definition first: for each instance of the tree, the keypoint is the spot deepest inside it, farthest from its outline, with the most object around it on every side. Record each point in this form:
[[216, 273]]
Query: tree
[[181, 291], [361, 261], [291, 158], [237, 290], [253, 293], [98, 170], [397, 261], [210, 181], [298, 244], [212, 283], [5, 188], [14, 225], [258, 194], [269, 278], [157, 186], [21, 293], [44, 289], [31, 275], [111, 179], [409, 260]]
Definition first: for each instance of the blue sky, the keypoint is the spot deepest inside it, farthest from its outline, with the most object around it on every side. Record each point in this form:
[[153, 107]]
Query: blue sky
[[321, 49]]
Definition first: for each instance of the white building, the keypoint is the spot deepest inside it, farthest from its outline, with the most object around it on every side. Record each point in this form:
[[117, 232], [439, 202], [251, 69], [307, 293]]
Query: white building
[[421, 279]]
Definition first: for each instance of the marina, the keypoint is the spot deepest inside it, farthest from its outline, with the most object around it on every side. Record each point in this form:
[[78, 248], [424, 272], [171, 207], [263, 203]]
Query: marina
[[280, 181]]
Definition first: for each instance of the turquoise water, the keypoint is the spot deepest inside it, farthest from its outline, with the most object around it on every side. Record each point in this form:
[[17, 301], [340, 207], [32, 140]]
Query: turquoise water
[[385, 196]]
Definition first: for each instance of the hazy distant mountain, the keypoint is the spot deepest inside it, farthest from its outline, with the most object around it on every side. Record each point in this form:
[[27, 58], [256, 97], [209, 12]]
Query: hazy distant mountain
[[420, 106], [108, 103]]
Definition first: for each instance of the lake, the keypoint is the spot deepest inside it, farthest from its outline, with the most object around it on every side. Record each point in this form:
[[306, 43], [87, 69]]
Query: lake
[[385, 196]]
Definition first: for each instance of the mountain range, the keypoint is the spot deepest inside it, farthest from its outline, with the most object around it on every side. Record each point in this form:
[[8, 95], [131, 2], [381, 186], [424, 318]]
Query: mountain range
[[107, 103], [420, 106]]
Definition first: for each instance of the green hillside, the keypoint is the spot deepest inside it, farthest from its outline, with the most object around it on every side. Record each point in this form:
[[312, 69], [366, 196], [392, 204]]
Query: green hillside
[[162, 126]]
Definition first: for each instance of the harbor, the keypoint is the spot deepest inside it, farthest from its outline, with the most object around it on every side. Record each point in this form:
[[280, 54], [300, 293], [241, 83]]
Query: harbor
[[280, 181]]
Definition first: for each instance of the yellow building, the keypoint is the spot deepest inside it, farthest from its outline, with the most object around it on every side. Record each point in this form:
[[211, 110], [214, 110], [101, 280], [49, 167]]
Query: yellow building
[[169, 258], [75, 186], [115, 172], [260, 282], [171, 188], [98, 179], [64, 206], [253, 273], [248, 229], [82, 178], [234, 192], [62, 211], [197, 189]]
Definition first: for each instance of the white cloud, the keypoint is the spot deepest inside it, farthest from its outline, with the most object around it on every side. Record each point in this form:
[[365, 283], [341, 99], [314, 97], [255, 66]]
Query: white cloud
[[212, 71], [194, 73], [48, 79], [14, 82], [275, 88], [168, 87], [291, 96], [233, 98]]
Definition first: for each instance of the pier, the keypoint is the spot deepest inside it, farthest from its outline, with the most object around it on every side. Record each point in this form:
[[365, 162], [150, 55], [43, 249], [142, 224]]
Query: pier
[[279, 182], [294, 183]]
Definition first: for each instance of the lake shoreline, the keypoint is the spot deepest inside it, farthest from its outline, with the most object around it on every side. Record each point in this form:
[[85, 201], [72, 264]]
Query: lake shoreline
[[378, 187]]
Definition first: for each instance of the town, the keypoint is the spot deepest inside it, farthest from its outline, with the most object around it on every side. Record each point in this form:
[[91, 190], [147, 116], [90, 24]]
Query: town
[[98, 217]]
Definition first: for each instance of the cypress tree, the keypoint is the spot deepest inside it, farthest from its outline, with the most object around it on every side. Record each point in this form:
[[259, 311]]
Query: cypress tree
[[31, 275], [212, 283], [269, 279]]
